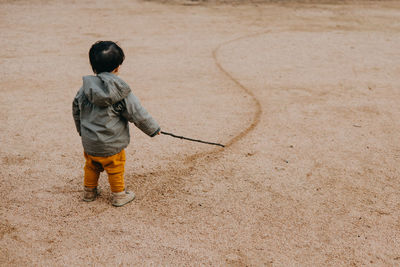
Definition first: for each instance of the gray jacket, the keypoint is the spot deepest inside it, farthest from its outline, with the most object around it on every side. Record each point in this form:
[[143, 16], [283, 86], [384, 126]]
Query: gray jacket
[[101, 110]]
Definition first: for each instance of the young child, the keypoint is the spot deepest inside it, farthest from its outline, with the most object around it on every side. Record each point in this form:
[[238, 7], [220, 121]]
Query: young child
[[101, 110]]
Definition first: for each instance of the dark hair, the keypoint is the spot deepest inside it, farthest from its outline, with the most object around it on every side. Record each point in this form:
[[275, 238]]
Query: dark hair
[[105, 56]]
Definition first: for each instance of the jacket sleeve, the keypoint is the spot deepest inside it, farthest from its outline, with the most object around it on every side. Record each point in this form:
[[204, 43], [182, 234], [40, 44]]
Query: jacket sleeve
[[76, 114], [135, 113]]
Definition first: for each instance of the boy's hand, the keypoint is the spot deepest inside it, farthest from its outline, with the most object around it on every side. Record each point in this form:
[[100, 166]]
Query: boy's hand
[[156, 133]]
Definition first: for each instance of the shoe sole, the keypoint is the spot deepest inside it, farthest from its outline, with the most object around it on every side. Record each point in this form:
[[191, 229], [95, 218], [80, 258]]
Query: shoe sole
[[120, 205]]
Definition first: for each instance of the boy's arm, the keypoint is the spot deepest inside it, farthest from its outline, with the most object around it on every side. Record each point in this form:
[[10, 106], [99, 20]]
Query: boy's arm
[[135, 113], [76, 114]]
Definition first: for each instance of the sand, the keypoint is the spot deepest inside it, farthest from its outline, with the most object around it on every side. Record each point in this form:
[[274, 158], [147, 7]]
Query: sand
[[305, 96]]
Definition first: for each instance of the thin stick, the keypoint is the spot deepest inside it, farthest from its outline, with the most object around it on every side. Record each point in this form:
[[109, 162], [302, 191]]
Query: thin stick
[[190, 139]]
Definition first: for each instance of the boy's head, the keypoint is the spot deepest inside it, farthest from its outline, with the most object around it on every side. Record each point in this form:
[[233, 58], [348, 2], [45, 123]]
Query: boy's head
[[105, 56]]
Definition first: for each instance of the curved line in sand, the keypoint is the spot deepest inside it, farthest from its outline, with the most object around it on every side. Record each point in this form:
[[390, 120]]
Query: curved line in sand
[[257, 104], [175, 174]]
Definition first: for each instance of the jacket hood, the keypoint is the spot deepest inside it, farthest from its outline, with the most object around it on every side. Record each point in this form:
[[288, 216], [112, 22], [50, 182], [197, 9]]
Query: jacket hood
[[105, 89]]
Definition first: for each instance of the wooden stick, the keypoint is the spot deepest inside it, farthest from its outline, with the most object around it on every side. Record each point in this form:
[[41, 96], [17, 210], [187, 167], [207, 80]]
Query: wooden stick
[[190, 139]]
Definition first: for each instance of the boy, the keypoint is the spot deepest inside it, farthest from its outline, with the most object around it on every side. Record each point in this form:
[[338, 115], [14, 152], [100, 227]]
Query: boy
[[101, 110]]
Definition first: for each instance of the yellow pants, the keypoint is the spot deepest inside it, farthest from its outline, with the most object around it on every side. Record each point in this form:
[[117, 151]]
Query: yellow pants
[[114, 166]]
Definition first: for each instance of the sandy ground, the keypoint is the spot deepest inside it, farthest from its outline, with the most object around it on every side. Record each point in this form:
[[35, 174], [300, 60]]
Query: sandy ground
[[306, 96]]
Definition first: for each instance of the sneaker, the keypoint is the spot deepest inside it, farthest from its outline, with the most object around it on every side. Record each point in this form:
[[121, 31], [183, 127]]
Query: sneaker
[[121, 198], [90, 194]]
